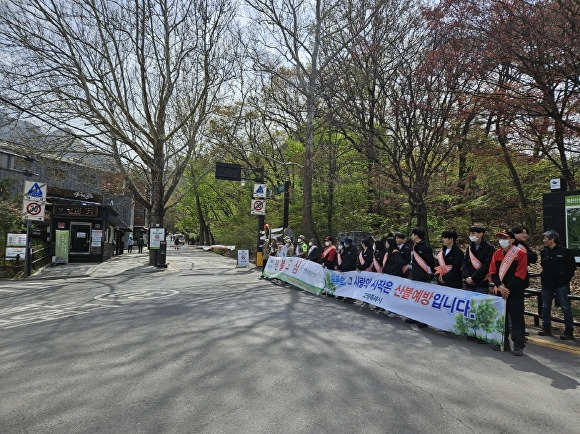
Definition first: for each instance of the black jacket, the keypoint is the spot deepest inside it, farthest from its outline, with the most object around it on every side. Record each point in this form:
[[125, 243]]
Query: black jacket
[[367, 256], [313, 255], [424, 250], [454, 258], [348, 258], [394, 264], [483, 252], [558, 266], [532, 258]]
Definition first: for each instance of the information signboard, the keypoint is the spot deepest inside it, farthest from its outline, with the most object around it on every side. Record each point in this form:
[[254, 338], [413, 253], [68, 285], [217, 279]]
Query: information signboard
[[156, 235]]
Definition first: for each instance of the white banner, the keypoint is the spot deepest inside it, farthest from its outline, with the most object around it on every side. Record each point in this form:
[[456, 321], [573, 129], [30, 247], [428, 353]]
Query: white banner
[[304, 274], [455, 310]]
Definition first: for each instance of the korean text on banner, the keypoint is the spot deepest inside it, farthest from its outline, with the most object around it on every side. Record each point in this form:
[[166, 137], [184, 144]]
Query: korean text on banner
[[455, 310]]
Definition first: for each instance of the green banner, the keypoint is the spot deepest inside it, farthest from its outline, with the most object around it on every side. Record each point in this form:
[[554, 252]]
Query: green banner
[[61, 247], [572, 200]]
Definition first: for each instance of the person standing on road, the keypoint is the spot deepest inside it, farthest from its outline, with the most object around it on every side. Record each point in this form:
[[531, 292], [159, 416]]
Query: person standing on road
[[449, 260], [476, 261], [393, 261], [400, 238], [366, 255], [522, 235], [558, 268], [348, 256], [289, 246], [140, 244], [422, 263], [329, 254], [313, 252], [301, 248], [508, 270]]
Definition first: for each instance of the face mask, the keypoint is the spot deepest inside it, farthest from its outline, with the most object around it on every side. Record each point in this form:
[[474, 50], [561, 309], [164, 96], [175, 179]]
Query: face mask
[[287, 243], [504, 243], [299, 240], [339, 247], [472, 238], [310, 243], [327, 243]]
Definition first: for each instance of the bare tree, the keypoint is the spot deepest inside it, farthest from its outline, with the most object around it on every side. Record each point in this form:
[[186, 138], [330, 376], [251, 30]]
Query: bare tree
[[137, 80], [288, 47]]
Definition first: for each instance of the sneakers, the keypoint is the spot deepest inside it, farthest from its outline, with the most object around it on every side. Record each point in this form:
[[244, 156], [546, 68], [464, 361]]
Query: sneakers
[[568, 335], [518, 352], [545, 332]]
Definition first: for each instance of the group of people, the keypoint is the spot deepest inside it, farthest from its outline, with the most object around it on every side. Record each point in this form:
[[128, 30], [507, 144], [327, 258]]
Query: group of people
[[480, 267], [139, 243]]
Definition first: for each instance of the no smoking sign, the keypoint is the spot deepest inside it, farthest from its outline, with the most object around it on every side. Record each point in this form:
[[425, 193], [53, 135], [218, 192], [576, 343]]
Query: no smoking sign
[[258, 207]]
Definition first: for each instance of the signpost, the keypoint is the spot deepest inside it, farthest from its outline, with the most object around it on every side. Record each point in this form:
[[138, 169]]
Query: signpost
[[34, 201], [33, 207]]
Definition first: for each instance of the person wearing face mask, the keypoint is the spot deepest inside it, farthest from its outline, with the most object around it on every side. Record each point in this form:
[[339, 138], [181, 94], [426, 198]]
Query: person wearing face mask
[[329, 254], [475, 267], [289, 246], [282, 249], [301, 248], [313, 252], [348, 256], [508, 270]]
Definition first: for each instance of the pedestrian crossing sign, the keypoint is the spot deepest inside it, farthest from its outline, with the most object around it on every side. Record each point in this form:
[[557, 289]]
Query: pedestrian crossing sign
[[34, 190], [259, 190]]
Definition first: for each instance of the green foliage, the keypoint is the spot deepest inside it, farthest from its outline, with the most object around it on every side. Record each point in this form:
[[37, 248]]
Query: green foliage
[[10, 210], [484, 312]]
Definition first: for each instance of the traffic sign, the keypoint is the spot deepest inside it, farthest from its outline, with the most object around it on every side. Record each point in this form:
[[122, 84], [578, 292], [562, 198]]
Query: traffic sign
[[260, 191], [34, 190], [33, 210], [258, 207]]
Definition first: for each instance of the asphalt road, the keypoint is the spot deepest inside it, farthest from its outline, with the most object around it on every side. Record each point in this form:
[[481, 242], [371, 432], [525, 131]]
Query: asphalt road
[[206, 347]]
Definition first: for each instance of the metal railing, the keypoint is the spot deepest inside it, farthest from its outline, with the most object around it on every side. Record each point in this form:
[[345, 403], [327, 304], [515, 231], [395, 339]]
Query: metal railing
[[533, 292]]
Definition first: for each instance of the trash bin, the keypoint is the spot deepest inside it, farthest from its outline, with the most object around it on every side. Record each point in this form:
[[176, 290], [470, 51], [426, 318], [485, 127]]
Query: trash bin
[[162, 258]]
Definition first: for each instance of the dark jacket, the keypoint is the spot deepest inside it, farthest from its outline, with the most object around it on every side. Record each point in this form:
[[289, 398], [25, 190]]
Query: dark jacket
[[424, 250], [406, 253], [313, 255], [532, 258], [558, 266], [379, 256], [394, 264], [348, 258], [483, 252], [515, 277], [454, 258], [367, 256]]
